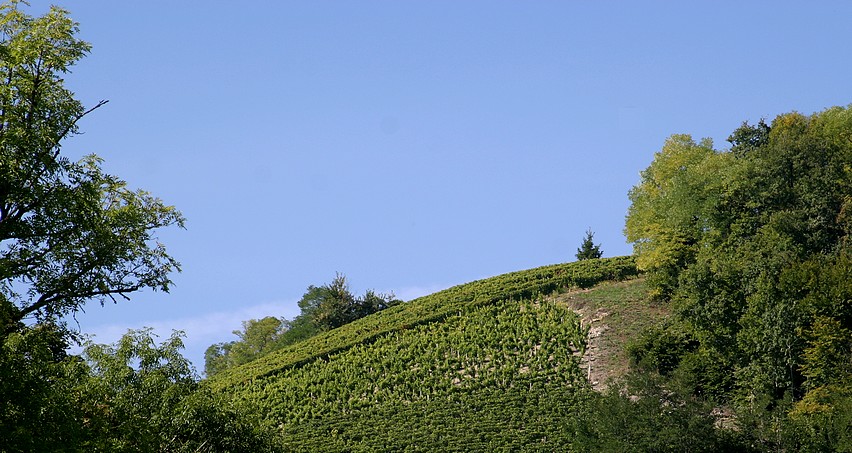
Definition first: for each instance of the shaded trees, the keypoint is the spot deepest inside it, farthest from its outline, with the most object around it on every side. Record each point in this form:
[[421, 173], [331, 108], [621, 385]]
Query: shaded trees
[[38, 408], [135, 395], [333, 305]]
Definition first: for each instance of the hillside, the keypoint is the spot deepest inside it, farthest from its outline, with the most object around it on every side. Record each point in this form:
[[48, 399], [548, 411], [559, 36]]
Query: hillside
[[615, 313], [495, 363]]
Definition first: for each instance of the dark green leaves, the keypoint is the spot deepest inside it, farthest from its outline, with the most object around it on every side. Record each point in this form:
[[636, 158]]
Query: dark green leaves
[[588, 249]]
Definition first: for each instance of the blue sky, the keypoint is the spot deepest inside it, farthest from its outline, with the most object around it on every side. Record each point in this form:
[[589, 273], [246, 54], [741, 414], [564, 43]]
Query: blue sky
[[413, 146]]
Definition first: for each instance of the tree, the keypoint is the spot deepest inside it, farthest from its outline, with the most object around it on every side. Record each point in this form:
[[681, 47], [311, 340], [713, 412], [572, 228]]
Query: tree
[[588, 250], [333, 305], [667, 215], [323, 308], [329, 306], [140, 396], [754, 248], [257, 337], [38, 408], [373, 302], [69, 232]]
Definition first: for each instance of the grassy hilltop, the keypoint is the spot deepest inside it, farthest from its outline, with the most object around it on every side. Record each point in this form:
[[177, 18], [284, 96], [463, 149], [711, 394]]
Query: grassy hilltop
[[492, 364]]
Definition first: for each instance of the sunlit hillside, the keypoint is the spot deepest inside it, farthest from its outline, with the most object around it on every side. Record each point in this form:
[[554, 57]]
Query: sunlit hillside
[[493, 363]]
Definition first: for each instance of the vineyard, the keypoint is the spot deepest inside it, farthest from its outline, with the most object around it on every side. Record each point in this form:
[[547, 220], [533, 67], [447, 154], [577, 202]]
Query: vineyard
[[493, 362]]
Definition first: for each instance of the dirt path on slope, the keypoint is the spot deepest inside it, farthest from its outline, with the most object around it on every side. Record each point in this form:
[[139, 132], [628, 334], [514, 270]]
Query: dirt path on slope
[[616, 313]]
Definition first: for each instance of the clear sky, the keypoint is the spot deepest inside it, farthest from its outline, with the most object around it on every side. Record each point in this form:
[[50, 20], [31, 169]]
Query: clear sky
[[411, 145]]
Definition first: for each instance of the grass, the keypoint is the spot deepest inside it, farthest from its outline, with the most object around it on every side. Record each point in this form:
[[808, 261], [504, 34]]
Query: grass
[[620, 311]]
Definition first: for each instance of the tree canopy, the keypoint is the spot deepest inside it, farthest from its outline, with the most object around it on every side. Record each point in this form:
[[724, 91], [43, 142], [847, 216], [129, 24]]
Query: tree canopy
[[752, 247], [69, 232], [323, 308]]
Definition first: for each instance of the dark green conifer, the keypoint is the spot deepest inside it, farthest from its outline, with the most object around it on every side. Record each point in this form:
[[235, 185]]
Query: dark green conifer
[[588, 249]]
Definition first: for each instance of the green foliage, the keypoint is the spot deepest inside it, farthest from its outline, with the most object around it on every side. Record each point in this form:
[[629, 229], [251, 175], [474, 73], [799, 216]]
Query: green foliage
[[134, 388], [145, 397], [666, 218], [69, 232], [588, 250], [652, 418], [704, 373], [486, 365], [752, 247], [131, 396], [38, 408], [329, 306], [747, 138], [333, 305], [661, 349], [827, 357], [691, 366], [258, 337], [820, 421], [323, 308]]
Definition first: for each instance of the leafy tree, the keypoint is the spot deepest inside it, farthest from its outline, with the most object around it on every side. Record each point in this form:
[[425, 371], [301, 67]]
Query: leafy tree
[[753, 246], [38, 410], [748, 138], [141, 396], [333, 305], [373, 302], [668, 212], [322, 308], [588, 250], [329, 306], [257, 337], [69, 232]]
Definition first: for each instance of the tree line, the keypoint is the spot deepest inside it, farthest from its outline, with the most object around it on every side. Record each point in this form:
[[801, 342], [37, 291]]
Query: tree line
[[751, 246], [322, 308]]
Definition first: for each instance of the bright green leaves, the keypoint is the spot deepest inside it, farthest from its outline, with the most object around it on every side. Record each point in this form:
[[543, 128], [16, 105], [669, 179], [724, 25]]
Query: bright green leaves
[[257, 337], [36, 111], [665, 217], [143, 396], [69, 233], [668, 214], [826, 358], [45, 43]]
